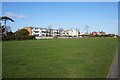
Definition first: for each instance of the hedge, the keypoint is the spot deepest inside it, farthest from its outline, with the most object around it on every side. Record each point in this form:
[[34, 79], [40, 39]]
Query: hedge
[[13, 37]]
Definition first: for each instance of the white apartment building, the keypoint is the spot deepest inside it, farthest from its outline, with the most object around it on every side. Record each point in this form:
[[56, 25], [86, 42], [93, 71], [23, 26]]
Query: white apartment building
[[40, 32], [72, 33], [45, 32]]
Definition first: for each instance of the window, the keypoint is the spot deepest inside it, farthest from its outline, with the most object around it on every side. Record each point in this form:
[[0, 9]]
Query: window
[[36, 31], [36, 35]]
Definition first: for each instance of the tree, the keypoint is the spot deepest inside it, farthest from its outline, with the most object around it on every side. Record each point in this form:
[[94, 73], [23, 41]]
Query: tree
[[5, 18], [86, 29], [3, 28], [78, 32], [22, 32], [50, 30], [60, 31], [8, 29]]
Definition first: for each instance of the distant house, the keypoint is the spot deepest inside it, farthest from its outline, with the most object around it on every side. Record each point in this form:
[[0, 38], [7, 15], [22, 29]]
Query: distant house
[[94, 33], [98, 33], [102, 33]]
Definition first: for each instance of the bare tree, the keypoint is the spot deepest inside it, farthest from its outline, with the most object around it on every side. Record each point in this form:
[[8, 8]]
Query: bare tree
[[60, 31], [50, 30], [86, 29], [78, 31]]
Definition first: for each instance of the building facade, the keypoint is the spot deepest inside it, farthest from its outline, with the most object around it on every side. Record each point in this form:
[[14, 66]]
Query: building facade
[[72, 33], [98, 33], [40, 32]]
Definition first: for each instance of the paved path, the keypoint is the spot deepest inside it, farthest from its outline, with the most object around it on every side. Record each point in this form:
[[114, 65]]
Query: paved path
[[113, 73]]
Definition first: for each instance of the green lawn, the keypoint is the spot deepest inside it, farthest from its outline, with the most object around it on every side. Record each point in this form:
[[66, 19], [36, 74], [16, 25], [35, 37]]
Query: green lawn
[[58, 58]]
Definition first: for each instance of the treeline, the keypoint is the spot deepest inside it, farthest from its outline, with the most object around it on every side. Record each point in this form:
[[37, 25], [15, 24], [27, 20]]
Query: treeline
[[106, 35], [22, 34]]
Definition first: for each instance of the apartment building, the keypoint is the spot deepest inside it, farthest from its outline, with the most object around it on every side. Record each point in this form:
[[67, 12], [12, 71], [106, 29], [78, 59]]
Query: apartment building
[[72, 33], [45, 32], [40, 32]]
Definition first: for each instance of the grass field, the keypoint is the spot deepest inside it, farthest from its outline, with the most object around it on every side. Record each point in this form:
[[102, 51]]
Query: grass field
[[58, 58]]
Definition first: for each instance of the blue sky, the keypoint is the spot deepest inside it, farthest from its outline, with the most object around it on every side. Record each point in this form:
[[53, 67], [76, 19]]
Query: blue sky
[[100, 16]]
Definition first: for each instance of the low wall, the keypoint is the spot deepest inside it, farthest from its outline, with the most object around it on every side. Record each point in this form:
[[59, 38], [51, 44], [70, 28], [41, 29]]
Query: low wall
[[53, 37], [44, 37]]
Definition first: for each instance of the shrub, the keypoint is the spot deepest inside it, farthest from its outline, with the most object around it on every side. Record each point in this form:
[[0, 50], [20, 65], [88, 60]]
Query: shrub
[[14, 37]]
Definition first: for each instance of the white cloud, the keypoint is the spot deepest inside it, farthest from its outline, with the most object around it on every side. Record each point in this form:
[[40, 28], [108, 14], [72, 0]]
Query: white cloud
[[13, 15], [22, 16]]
